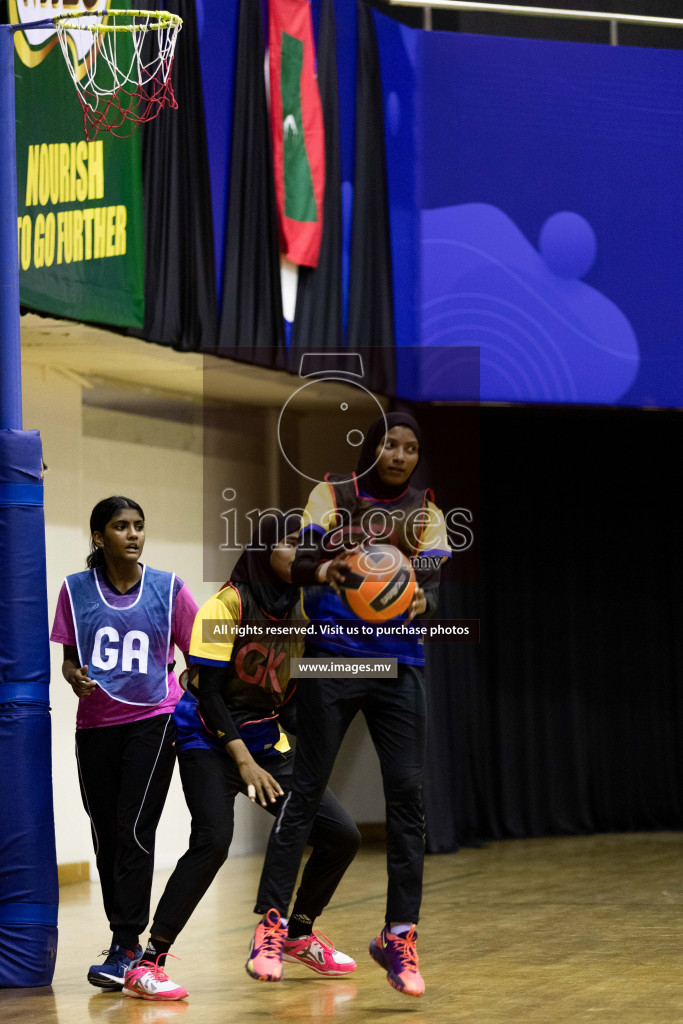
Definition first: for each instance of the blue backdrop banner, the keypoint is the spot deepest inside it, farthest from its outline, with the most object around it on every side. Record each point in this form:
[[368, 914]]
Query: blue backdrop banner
[[537, 213]]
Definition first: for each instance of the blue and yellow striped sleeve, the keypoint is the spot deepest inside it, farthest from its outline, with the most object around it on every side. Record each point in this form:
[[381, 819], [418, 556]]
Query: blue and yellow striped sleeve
[[223, 607], [434, 535], [320, 513]]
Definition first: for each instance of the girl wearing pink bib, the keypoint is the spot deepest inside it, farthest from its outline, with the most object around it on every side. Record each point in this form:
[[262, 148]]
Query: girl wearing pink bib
[[119, 622]]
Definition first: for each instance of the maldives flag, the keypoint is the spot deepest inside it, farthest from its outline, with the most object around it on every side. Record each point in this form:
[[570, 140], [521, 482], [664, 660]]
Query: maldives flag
[[297, 126]]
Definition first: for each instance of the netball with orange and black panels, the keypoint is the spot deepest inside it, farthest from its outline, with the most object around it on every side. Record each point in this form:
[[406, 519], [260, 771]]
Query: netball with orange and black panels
[[379, 583]]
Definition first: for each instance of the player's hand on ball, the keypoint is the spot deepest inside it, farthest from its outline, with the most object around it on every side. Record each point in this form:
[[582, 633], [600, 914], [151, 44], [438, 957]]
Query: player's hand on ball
[[334, 572], [418, 606], [81, 684]]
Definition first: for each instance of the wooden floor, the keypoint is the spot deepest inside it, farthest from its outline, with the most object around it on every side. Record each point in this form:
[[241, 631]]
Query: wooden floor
[[554, 931]]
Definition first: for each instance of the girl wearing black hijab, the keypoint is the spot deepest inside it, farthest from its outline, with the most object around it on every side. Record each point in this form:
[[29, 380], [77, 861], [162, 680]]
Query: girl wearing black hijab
[[376, 503], [229, 741]]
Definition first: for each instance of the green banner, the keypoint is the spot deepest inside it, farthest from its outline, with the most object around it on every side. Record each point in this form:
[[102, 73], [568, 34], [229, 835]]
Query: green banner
[[80, 221], [299, 197]]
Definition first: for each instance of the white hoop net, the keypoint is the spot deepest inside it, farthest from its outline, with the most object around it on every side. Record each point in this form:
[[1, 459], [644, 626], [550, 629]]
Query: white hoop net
[[125, 78]]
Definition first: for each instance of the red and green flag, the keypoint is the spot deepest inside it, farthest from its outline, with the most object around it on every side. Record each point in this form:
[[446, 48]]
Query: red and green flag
[[298, 133]]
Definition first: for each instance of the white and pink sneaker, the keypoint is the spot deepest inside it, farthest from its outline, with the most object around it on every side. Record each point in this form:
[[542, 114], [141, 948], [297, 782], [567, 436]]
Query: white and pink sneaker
[[318, 954], [147, 980]]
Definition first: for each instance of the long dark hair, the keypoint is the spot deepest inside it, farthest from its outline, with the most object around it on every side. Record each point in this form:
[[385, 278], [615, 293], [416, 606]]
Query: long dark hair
[[99, 517]]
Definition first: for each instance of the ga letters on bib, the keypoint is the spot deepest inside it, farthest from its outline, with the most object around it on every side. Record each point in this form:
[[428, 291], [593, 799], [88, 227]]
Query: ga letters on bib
[[126, 649]]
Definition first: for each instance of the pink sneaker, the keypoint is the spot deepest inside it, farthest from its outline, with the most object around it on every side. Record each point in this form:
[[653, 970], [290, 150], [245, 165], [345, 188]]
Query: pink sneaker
[[147, 980], [397, 954], [265, 955], [318, 953]]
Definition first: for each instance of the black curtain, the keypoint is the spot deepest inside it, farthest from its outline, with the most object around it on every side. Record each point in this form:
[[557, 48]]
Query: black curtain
[[371, 309], [180, 290], [318, 316], [251, 324], [568, 718], [457, 744]]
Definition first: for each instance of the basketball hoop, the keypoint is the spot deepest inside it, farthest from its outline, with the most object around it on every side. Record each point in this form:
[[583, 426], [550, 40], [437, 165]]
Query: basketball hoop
[[125, 79]]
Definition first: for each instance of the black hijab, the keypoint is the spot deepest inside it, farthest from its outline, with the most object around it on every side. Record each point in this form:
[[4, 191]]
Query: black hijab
[[369, 479], [273, 596]]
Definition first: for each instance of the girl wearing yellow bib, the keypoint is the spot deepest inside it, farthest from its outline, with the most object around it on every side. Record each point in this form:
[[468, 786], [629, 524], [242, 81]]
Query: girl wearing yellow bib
[[230, 741], [379, 495]]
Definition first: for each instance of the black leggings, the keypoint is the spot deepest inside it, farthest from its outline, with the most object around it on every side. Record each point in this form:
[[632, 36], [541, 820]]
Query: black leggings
[[395, 711], [125, 772], [211, 782]]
